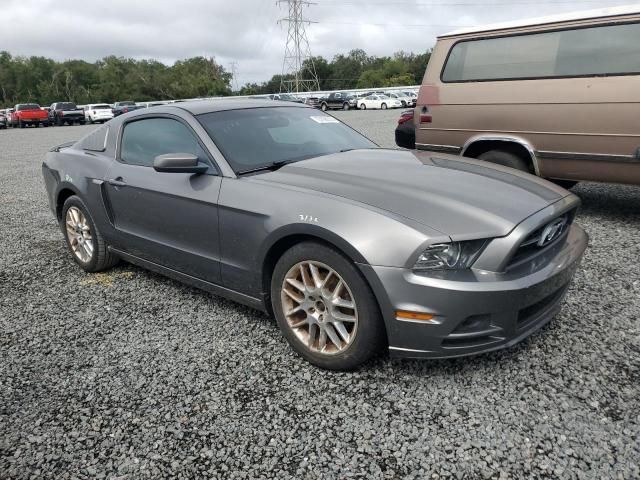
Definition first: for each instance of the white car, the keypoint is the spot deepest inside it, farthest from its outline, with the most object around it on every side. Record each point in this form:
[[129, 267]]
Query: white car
[[98, 112], [378, 101], [404, 99]]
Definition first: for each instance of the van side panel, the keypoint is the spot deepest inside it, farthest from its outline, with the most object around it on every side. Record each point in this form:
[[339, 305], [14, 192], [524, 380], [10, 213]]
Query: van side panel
[[584, 128]]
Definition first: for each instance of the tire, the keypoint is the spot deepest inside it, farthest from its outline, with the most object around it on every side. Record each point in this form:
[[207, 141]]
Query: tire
[[324, 107], [508, 159], [383, 106], [367, 334], [345, 106], [58, 122], [82, 122], [21, 124], [363, 107], [91, 120], [45, 124], [102, 258]]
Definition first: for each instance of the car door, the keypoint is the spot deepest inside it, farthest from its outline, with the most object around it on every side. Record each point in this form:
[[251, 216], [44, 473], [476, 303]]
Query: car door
[[167, 218]]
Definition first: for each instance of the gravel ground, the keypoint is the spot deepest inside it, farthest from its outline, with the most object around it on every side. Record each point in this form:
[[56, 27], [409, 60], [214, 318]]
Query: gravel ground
[[127, 374]]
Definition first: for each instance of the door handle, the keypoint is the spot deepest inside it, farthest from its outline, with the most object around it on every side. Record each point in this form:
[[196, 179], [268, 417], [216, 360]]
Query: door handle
[[117, 182]]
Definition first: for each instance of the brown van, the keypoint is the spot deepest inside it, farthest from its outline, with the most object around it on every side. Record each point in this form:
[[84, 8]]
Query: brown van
[[556, 96]]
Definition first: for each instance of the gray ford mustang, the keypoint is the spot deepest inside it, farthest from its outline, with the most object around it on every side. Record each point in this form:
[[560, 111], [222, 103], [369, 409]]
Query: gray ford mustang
[[353, 248]]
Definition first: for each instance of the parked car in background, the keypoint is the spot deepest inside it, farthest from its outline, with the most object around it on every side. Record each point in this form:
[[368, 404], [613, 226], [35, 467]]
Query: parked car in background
[[312, 101], [26, 114], [405, 131], [98, 112], [284, 97], [61, 113], [124, 107], [352, 247], [152, 104], [378, 101], [557, 96], [404, 100], [337, 100], [3, 120], [8, 113]]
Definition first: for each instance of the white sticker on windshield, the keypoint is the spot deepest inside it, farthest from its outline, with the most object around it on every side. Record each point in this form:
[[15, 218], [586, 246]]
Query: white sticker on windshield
[[323, 119]]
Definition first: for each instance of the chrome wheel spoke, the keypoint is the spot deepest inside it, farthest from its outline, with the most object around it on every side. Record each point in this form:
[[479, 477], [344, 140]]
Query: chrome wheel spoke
[[301, 323], [296, 284], [343, 317], [315, 275], [322, 340], [342, 331], [292, 296], [313, 331], [331, 333]]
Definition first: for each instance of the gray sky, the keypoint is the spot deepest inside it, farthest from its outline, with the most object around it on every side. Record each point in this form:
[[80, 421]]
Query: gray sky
[[246, 31]]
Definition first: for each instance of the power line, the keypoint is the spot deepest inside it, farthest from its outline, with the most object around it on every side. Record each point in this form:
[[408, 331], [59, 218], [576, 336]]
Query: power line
[[448, 4], [297, 61]]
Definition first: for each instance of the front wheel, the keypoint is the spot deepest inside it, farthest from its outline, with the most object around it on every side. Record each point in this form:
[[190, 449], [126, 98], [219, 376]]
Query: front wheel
[[325, 309], [383, 106], [345, 106], [363, 106], [84, 240], [324, 107]]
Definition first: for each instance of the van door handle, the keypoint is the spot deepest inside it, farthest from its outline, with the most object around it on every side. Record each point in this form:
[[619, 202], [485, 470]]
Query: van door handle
[[117, 182]]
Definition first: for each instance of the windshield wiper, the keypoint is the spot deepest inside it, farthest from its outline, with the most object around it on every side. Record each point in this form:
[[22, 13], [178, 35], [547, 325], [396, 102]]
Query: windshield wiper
[[269, 166]]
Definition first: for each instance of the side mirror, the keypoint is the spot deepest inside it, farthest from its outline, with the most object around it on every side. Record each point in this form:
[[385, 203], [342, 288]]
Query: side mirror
[[178, 163]]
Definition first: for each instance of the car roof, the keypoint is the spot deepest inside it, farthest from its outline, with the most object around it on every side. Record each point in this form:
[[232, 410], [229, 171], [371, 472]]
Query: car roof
[[198, 107], [558, 18]]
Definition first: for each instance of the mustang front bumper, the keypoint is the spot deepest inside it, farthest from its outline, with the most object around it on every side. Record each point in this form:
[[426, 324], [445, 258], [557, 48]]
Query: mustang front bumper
[[475, 311]]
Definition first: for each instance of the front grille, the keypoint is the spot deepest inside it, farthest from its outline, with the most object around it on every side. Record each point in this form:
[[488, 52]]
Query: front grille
[[534, 243]]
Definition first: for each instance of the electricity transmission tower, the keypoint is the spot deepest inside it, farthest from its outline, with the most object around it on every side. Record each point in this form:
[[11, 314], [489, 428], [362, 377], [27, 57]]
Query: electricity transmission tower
[[297, 62], [234, 76]]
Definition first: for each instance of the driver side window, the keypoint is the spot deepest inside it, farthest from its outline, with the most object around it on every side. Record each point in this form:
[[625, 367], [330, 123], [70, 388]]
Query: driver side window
[[143, 140]]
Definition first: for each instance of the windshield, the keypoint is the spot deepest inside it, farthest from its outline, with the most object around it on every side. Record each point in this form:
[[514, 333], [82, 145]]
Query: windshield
[[125, 104], [28, 106], [251, 138]]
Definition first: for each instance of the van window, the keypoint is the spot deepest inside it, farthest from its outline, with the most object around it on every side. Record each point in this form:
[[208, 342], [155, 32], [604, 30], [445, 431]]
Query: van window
[[604, 50]]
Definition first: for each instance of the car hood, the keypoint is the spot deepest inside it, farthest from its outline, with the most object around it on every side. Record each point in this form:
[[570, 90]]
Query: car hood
[[460, 197]]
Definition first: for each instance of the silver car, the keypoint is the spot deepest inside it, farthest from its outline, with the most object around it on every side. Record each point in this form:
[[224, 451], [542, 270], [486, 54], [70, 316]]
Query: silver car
[[353, 248]]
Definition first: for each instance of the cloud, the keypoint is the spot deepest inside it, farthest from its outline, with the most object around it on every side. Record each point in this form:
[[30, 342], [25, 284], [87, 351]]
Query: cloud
[[246, 31]]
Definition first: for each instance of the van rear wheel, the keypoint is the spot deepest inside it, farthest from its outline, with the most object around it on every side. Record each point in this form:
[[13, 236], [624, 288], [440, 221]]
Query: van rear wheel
[[507, 159]]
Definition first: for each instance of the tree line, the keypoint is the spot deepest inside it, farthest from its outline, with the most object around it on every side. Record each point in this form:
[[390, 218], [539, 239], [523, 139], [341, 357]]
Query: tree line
[[44, 81]]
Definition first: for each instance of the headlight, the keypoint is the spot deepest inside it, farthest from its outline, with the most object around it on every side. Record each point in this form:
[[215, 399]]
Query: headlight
[[449, 256]]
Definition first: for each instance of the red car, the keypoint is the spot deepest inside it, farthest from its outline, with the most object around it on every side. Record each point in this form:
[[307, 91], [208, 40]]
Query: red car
[[29, 114]]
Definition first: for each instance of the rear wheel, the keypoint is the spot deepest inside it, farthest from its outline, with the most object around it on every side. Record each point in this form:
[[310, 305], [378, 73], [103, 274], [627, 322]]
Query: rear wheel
[[363, 106], [505, 158], [324, 308], [85, 242], [324, 107], [345, 106], [383, 106]]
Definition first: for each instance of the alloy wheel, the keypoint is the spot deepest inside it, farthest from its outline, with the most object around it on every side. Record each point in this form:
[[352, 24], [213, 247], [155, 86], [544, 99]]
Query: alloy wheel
[[79, 234], [319, 307]]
